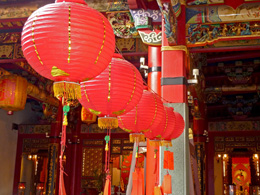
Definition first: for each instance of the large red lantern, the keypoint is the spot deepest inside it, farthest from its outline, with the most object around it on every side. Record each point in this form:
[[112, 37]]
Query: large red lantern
[[147, 114], [112, 93], [68, 42], [13, 92]]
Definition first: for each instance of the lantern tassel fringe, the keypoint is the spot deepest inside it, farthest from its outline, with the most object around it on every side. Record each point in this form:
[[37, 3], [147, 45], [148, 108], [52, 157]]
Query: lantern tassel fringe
[[166, 143], [70, 90], [107, 122], [136, 138]]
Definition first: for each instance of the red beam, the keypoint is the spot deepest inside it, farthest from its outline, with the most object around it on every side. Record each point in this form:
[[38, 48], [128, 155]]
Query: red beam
[[3, 61], [236, 56], [135, 54], [224, 49]]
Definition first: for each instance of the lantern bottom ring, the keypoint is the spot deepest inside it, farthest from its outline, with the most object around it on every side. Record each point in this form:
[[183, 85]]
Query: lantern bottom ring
[[66, 89], [107, 122]]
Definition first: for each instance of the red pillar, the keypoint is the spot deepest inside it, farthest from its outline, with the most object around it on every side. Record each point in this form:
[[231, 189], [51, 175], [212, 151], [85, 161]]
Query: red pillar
[[154, 71], [174, 91], [199, 125], [73, 155], [154, 84], [174, 63]]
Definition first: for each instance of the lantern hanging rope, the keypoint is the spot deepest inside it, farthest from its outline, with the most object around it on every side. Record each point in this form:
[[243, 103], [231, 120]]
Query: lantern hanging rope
[[112, 93], [68, 42]]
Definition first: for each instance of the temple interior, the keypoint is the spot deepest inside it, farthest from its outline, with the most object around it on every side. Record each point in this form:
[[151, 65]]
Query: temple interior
[[196, 61]]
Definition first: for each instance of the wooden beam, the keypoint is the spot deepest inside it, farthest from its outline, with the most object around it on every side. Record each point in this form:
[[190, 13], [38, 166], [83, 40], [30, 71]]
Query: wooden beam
[[224, 49]]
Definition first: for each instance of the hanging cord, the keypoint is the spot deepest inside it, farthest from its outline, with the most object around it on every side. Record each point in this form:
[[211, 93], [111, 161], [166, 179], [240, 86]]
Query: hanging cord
[[156, 167], [66, 109], [167, 149], [137, 151], [107, 149]]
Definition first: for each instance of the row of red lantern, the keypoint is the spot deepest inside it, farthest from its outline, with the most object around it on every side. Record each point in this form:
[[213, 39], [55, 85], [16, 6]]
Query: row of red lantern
[[56, 48], [118, 92]]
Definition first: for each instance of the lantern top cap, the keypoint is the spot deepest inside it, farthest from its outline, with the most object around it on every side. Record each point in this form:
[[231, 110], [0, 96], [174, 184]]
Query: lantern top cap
[[117, 55], [72, 1]]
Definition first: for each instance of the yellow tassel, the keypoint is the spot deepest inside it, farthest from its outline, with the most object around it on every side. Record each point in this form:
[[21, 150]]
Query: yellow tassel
[[134, 137], [155, 143], [136, 155], [69, 90], [166, 143], [157, 190], [154, 155], [65, 120], [107, 122], [106, 148]]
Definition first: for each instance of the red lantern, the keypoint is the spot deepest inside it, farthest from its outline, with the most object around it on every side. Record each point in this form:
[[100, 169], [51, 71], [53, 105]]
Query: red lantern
[[179, 127], [114, 92], [170, 127], [13, 92], [68, 42], [147, 114]]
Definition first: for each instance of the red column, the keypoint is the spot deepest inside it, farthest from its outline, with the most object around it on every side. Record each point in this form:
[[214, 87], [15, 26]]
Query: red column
[[199, 125], [154, 71], [174, 62], [154, 84], [73, 164], [174, 91]]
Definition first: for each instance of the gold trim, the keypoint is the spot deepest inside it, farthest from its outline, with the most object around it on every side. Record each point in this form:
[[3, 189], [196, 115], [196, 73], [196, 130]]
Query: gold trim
[[175, 48], [103, 39], [94, 111], [218, 39], [56, 72], [120, 112], [109, 82], [166, 122], [86, 93], [155, 112], [134, 86], [69, 33], [33, 40], [183, 2]]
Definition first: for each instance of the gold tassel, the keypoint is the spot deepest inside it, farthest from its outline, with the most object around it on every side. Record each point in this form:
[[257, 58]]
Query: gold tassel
[[106, 148], [69, 90], [157, 190], [136, 155], [65, 120], [107, 122], [155, 143], [134, 137], [166, 143]]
